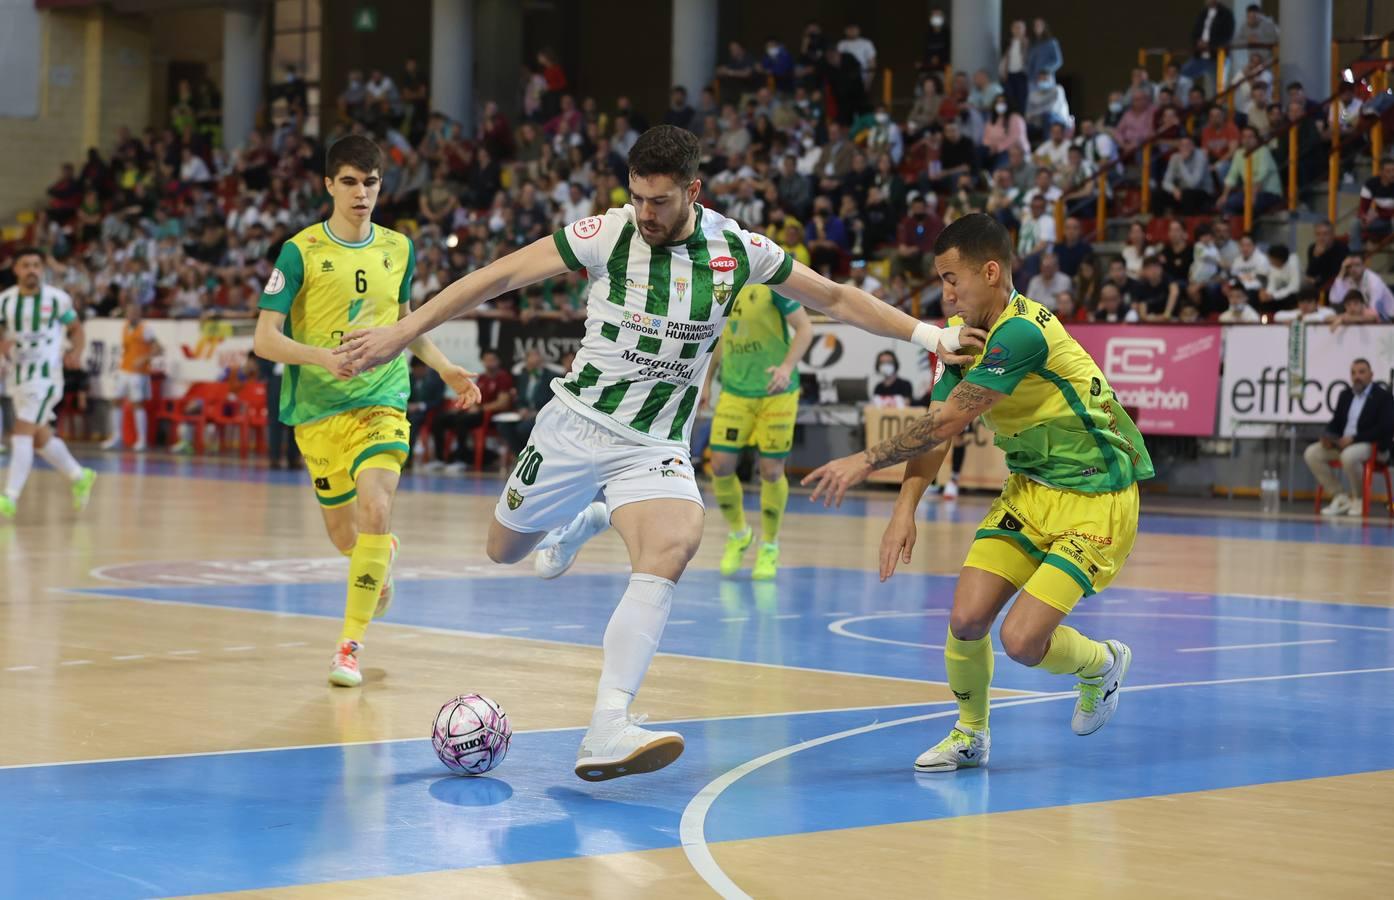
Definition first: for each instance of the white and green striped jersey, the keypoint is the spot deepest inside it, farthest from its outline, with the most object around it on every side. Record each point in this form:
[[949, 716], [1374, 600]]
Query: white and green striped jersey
[[654, 315], [37, 324]]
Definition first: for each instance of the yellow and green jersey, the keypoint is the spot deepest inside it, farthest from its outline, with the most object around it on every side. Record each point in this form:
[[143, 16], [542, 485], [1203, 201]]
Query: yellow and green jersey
[[328, 287], [1061, 423], [756, 337]]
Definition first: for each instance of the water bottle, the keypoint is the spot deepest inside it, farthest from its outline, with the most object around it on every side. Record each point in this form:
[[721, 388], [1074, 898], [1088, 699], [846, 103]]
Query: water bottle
[[1268, 492]]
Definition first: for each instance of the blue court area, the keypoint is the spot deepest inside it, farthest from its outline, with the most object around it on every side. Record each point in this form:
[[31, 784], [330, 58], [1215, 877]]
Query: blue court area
[[1224, 692], [1377, 531]]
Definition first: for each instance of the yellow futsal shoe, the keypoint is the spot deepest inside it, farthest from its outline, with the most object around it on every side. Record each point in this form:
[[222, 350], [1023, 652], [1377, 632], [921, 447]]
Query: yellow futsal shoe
[[82, 489], [7, 507], [389, 585], [766, 563], [736, 545], [964, 748]]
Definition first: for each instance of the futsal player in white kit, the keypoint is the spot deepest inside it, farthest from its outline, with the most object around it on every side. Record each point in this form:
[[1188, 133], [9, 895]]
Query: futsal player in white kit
[[663, 271], [35, 321]]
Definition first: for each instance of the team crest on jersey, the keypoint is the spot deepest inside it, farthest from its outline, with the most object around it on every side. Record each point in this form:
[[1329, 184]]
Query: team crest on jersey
[[276, 283], [756, 240], [587, 228], [513, 499], [387, 262], [680, 285], [721, 293]]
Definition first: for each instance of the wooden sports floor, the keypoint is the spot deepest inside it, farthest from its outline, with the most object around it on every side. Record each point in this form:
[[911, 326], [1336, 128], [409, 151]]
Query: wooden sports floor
[[167, 728]]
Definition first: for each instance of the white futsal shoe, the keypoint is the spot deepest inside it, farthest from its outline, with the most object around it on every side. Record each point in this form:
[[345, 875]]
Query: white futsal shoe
[[964, 748], [625, 749], [1098, 697], [558, 550]]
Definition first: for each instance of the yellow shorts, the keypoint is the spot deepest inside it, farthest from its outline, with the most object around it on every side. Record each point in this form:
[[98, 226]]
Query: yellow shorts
[[767, 422], [337, 447], [1056, 545]]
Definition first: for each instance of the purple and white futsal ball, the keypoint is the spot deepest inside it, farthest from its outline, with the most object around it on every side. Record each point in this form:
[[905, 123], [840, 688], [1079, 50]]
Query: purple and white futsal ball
[[471, 735]]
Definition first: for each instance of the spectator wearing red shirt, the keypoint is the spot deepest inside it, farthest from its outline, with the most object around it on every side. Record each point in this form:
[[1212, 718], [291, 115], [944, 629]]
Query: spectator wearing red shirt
[[1218, 139], [65, 196], [1137, 124], [1376, 202], [495, 395]]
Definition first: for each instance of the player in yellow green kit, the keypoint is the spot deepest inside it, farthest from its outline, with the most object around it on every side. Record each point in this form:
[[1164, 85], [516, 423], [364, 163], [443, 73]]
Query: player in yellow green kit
[[758, 355], [332, 277], [1067, 517]]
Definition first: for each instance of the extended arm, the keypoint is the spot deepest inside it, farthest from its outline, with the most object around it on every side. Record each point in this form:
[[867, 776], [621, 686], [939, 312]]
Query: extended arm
[[425, 349], [965, 403], [798, 346], [537, 261], [271, 343]]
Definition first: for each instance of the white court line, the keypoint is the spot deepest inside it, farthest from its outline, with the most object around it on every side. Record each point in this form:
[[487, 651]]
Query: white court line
[[76, 662], [683, 622], [198, 753], [840, 628], [727, 619], [291, 644], [568, 627], [692, 828], [183, 653], [514, 628], [1254, 646], [20, 668], [790, 616], [239, 648], [129, 656]]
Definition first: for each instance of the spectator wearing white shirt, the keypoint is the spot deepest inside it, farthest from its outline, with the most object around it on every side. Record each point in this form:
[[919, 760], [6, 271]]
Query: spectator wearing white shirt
[[625, 136], [1356, 277], [1239, 309], [1036, 230], [1284, 280], [1044, 187], [1049, 282], [861, 49], [192, 168], [577, 205], [1309, 310], [1054, 152], [1251, 267]]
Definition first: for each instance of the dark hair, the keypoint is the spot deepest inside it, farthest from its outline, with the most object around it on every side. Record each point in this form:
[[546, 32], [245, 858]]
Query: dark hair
[[1358, 296], [1203, 230], [978, 238], [29, 251], [1360, 359], [666, 150], [1280, 252], [353, 150]]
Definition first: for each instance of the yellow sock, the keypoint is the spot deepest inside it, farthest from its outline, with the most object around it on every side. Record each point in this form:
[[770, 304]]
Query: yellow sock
[[774, 496], [1071, 653], [367, 569], [728, 497], [969, 664]]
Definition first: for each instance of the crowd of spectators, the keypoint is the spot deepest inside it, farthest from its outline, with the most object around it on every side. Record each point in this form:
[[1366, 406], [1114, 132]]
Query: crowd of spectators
[[795, 143]]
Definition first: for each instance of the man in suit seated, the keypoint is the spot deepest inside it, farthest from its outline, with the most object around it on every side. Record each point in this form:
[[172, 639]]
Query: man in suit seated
[[1363, 425]]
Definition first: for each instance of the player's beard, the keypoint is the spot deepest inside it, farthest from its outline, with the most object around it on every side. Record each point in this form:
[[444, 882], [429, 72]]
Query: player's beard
[[666, 237]]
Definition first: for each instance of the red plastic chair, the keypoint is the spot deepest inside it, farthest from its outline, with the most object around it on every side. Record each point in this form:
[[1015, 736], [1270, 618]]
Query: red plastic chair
[[1373, 467], [194, 408], [250, 417]]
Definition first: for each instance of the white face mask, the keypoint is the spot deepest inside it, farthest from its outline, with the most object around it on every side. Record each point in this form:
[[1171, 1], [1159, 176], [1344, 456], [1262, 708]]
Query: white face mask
[[1001, 109], [887, 370], [882, 118], [936, 21]]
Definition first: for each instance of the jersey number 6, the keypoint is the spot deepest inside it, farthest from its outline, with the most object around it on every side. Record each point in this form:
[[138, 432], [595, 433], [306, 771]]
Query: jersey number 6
[[360, 281]]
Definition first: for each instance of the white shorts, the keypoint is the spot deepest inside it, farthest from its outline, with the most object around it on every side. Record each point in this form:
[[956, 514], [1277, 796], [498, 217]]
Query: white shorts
[[36, 400], [570, 459], [132, 386]]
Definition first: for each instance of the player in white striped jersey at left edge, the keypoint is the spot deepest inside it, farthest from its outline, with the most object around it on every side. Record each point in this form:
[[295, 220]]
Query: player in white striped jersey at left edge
[[663, 272], [35, 321]]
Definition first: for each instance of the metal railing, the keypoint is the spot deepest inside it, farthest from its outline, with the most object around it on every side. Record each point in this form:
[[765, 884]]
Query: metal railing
[[1379, 83]]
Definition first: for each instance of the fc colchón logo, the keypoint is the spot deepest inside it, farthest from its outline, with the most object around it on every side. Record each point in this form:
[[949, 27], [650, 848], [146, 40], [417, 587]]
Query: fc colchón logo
[[387, 262], [513, 498]]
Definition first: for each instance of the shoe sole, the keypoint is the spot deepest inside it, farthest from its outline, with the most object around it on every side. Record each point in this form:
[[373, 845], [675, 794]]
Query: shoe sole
[[344, 680], [550, 576], [648, 758], [1127, 664], [935, 770]]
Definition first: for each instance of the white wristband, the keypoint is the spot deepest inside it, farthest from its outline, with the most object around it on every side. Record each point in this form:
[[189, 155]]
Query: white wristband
[[931, 336]]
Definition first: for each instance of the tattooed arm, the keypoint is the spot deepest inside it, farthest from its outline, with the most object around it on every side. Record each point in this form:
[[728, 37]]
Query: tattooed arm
[[965, 403]]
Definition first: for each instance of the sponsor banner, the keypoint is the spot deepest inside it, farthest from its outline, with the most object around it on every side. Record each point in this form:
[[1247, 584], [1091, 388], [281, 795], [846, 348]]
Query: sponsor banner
[[841, 351], [551, 337], [1167, 373], [1256, 383], [205, 351]]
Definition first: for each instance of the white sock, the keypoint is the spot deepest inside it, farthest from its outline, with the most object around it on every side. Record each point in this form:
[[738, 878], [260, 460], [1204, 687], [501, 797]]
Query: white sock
[[140, 423], [116, 422], [631, 639], [591, 521], [57, 455], [21, 461]]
